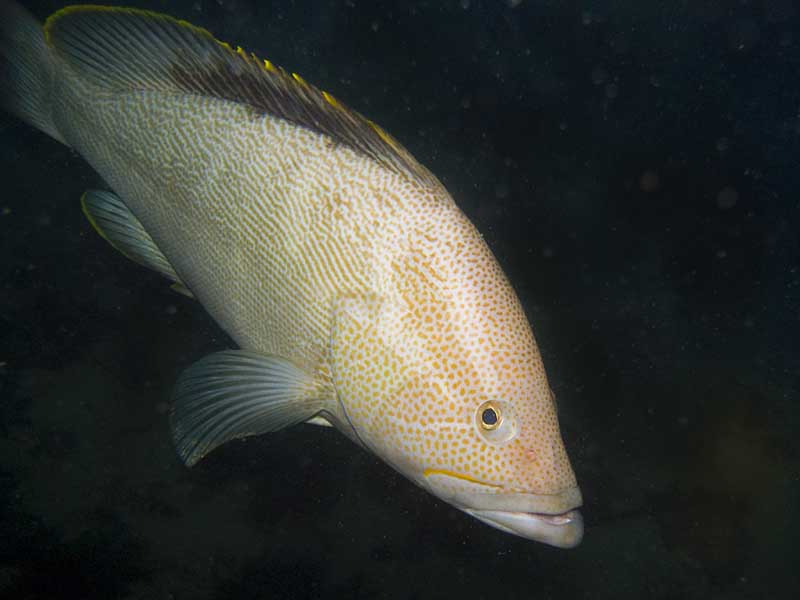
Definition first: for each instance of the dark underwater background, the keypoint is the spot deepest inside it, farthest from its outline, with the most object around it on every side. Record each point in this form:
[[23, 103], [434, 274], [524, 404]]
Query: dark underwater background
[[633, 165]]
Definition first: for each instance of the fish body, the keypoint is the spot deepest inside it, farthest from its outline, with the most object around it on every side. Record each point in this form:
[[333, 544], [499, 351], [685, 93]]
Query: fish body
[[358, 293]]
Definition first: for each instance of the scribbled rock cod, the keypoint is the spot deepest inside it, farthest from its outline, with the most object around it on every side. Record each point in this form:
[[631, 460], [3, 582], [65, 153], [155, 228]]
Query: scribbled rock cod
[[360, 296]]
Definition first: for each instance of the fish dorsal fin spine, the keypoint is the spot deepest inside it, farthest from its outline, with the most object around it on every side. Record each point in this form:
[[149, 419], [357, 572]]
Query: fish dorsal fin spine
[[124, 49]]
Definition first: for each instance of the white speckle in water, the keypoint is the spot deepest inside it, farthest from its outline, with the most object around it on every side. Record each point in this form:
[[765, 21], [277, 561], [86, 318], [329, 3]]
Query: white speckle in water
[[599, 75], [649, 181], [727, 198]]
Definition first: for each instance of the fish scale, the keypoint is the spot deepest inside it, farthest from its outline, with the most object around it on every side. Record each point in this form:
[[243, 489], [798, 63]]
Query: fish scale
[[358, 293]]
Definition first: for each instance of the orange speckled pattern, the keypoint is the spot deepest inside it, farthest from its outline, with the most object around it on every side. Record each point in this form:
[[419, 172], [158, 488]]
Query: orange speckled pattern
[[444, 334]]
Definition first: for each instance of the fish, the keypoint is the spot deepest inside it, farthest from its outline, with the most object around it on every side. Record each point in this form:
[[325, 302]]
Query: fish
[[358, 294]]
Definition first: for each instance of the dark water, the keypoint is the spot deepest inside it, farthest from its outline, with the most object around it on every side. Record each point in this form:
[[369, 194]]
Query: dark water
[[634, 165]]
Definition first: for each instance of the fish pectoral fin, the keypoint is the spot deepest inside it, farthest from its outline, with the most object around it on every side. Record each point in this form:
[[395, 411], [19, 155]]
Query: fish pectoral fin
[[237, 393], [115, 223], [181, 289]]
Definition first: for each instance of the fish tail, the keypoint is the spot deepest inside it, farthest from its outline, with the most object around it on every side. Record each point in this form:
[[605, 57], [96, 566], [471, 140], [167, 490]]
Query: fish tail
[[26, 69]]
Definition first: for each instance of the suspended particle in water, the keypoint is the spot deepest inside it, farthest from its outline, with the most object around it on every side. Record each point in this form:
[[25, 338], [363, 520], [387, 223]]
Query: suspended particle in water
[[612, 91], [649, 181], [599, 75], [501, 191], [743, 35], [727, 198]]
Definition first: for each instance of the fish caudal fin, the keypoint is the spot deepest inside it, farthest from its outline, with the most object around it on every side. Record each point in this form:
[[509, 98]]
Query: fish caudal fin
[[116, 224], [234, 394], [25, 69]]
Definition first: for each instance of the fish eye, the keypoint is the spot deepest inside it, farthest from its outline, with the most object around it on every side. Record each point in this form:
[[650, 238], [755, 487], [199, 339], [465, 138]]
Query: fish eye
[[495, 421], [490, 416]]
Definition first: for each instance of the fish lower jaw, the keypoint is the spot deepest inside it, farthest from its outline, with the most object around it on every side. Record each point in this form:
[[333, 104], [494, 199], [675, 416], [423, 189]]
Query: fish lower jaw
[[562, 519], [563, 530]]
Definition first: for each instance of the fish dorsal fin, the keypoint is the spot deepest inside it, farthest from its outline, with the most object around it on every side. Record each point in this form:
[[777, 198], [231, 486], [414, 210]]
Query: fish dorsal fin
[[124, 50]]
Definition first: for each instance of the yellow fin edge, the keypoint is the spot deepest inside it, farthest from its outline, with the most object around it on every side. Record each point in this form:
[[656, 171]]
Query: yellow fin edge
[[89, 8], [91, 219], [98, 229]]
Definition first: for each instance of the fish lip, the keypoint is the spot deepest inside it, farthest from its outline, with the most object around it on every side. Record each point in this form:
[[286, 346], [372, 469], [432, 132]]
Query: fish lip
[[561, 530], [549, 518]]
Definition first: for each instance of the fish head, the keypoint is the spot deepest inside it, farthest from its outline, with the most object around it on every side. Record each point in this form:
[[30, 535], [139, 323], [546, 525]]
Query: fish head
[[496, 455], [514, 474], [450, 390]]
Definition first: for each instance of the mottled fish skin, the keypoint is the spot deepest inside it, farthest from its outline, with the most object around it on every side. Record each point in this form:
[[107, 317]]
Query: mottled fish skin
[[366, 274]]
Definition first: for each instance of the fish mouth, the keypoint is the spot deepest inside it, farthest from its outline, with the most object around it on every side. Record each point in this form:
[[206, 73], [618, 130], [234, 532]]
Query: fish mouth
[[552, 519], [563, 530]]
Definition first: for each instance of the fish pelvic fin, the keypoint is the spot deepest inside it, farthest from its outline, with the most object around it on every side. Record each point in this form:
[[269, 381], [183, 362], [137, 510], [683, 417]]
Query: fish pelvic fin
[[26, 69], [116, 224], [237, 393], [123, 50]]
